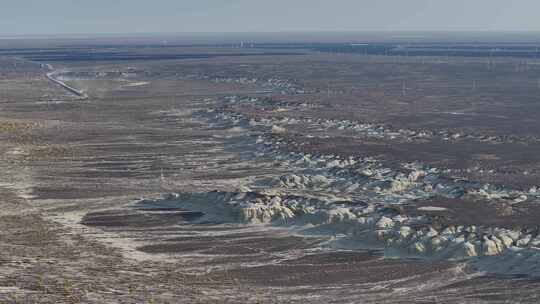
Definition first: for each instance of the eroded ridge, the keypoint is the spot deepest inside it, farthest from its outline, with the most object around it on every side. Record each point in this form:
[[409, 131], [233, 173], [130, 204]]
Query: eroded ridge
[[409, 210]]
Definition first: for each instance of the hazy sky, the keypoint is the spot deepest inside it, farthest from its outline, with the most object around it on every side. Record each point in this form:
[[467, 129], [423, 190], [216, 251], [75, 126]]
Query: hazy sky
[[133, 16]]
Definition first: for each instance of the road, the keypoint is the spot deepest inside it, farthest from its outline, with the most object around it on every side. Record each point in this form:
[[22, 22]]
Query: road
[[51, 77]]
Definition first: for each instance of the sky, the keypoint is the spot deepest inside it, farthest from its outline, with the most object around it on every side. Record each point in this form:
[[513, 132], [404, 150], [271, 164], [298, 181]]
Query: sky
[[36, 17]]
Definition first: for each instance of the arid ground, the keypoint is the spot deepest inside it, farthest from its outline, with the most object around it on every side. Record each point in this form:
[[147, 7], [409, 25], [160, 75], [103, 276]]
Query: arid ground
[[267, 174]]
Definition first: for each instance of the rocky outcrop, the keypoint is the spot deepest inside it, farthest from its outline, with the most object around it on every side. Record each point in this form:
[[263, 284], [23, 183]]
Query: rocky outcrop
[[359, 198], [359, 221]]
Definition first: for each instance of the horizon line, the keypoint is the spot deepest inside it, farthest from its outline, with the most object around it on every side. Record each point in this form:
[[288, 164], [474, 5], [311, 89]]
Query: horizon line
[[134, 34]]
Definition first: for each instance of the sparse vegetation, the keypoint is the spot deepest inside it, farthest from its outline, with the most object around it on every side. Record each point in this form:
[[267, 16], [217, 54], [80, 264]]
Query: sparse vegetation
[[68, 233]]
